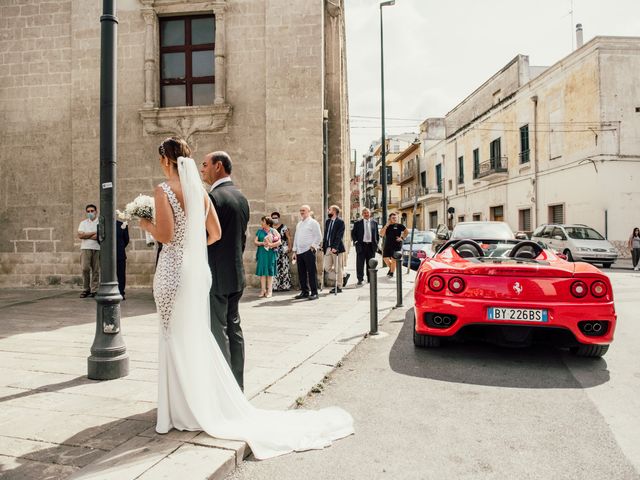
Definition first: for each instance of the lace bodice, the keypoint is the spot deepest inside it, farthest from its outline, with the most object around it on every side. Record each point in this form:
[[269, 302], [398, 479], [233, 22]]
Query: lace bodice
[[167, 277], [179, 218]]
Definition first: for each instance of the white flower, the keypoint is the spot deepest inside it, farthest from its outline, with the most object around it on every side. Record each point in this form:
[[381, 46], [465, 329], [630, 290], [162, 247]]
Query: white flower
[[142, 207]]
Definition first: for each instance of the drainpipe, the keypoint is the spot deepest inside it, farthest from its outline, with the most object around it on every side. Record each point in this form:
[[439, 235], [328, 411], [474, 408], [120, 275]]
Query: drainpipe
[[536, 200], [444, 192], [325, 162]]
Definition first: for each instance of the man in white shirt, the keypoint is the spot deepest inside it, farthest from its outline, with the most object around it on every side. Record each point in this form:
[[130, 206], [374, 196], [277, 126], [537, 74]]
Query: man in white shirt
[[89, 252], [306, 243]]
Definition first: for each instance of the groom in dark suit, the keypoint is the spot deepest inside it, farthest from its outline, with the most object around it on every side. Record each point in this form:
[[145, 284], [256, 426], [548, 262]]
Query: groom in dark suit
[[225, 260], [365, 238]]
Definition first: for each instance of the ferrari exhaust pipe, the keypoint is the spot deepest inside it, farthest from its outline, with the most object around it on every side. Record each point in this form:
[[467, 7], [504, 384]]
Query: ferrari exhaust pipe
[[588, 327], [437, 320], [446, 321], [597, 326]]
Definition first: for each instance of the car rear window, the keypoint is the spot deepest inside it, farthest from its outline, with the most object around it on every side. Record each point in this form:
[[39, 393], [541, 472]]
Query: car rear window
[[420, 237], [482, 230], [583, 233]]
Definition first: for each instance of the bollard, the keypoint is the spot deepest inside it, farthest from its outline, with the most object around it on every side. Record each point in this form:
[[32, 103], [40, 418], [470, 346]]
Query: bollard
[[398, 257], [373, 296]]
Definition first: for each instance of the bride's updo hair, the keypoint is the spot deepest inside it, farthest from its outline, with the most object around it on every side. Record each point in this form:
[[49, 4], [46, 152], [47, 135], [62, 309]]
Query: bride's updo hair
[[174, 147]]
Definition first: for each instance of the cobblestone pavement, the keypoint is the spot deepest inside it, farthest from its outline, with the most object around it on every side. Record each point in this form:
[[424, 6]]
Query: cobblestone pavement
[[55, 423]]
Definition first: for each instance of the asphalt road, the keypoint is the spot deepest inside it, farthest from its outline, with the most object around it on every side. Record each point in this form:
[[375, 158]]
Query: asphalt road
[[477, 411]]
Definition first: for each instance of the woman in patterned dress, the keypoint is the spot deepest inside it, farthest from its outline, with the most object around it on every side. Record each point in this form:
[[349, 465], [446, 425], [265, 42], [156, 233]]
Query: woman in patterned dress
[[282, 280]]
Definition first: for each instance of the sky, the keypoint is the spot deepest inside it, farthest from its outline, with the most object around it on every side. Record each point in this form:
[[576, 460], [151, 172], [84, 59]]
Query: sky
[[438, 52]]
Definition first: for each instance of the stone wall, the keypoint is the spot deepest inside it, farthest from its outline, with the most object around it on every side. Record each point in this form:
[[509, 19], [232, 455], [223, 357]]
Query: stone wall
[[275, 88]]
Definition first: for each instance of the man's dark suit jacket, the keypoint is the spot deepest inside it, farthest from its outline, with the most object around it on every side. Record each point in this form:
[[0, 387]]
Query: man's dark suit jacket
[[357, 234], [122, 240], [225, 256], [337, 234]]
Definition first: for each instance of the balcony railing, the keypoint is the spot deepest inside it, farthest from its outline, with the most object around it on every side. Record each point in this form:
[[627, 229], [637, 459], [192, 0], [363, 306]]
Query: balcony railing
[[407, 175], [410, 197], [491, 167]]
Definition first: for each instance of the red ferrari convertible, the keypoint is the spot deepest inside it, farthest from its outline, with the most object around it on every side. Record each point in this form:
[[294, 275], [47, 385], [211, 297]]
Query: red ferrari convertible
[[512, 292]]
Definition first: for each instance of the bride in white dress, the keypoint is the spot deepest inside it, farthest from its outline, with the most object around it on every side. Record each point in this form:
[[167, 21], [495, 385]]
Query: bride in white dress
[[196, 388]]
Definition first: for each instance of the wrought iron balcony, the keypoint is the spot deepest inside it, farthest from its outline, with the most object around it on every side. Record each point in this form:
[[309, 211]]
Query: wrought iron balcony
[[410, 197], [490, 168], [407, 175]]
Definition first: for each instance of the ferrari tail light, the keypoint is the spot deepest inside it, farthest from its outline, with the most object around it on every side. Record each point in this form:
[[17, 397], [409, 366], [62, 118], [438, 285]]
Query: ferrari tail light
[[436, 283], [579, 289], [456, 285], [598, 289]]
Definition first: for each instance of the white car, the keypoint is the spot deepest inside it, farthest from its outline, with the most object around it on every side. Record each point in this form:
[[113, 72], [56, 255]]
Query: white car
[[578, 243]]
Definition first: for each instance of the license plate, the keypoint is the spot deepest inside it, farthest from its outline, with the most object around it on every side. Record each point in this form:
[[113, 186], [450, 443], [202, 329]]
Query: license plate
[[518, 314]]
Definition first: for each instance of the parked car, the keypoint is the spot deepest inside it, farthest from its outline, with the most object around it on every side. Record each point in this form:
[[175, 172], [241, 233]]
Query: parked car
[[442, 235], [578, 243], [511, 292], [482, 230], [422, 248]]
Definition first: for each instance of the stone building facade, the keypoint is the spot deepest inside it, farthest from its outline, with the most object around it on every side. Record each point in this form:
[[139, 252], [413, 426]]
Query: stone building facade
[[276, 101], [536, 145]]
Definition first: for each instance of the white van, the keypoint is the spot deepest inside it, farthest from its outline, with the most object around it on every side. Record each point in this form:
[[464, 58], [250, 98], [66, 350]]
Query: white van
[[578, 243]]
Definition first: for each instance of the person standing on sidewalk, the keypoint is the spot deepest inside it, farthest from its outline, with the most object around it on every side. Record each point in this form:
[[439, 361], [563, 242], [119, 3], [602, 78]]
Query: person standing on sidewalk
[[333, 246], [634, 246], [394, 234], [267, 242], [122, 240], [282, 281], [306, 242], [225, 260], [89, 252], [365, 238]]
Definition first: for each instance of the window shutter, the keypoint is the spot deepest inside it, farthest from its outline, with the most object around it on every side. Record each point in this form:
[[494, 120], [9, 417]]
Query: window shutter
[[557, 214]]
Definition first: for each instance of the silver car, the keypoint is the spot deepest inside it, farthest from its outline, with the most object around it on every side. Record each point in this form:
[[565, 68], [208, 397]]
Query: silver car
[[578, 243]]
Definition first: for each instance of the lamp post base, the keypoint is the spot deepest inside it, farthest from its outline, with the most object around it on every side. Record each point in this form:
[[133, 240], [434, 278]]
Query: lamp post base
[[107, 368], [109, 358]]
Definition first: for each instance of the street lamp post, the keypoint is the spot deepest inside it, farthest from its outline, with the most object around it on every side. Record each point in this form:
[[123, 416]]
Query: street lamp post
[[109, 358], [415, 204], [383, 151]]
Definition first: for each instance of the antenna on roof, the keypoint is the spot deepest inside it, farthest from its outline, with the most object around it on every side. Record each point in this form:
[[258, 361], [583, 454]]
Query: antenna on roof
[[573, 46]]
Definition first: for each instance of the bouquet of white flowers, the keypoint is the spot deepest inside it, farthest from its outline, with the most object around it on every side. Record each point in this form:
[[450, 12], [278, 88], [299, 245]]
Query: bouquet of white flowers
[[142, 207]]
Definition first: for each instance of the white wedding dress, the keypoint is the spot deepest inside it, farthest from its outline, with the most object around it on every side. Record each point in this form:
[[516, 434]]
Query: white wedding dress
[[196, 389]]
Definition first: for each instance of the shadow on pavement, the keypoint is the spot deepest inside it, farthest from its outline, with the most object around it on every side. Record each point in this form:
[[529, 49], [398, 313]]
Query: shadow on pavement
[[31, 310], [538, 366], [53, 387], [283, 302], [83, 448]]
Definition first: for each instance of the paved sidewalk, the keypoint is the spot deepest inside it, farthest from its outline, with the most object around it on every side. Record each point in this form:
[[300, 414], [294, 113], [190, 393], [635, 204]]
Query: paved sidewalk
[[55, 423]]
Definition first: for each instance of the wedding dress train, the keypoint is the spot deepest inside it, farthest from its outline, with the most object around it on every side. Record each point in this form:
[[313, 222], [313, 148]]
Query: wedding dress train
[[196, 388]]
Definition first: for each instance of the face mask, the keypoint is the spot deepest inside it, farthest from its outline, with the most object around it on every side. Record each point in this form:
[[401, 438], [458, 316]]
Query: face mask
[[91, 215], [275, 219]]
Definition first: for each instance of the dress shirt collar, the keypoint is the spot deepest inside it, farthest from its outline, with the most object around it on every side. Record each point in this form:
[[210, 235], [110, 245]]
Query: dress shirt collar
[[220, 182]]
